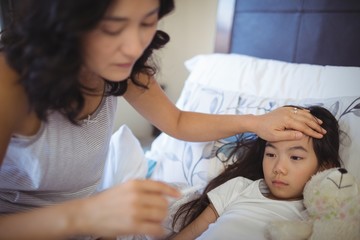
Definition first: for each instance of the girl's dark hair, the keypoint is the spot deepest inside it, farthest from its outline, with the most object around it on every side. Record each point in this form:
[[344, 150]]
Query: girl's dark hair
[[248, 154], [42, 43]]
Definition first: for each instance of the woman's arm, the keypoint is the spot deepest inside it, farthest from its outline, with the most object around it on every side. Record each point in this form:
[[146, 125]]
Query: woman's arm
[[43, 223], [13, 104], [135, 207], [198, 226], [154, 105]]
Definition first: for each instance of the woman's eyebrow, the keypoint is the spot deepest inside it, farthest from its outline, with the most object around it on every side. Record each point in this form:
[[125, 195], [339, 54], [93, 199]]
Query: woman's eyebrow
[[121, 19]]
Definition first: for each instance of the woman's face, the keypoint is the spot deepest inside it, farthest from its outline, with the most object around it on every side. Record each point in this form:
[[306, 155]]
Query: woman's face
[[112, 48], [287, 166]]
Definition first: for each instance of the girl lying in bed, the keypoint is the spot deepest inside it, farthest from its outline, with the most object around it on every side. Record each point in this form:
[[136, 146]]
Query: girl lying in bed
[[265, 183]]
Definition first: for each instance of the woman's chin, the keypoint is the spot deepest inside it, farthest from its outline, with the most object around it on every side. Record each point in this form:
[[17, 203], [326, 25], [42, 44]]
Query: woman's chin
[[115, 80], [116, 77]]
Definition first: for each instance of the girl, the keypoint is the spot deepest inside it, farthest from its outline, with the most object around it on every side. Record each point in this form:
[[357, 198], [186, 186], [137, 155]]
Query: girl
[[264, 183], [62, 64]]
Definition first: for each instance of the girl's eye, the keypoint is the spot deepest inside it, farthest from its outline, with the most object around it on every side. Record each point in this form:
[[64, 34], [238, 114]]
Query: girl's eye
[[270, 155], [296, 158]]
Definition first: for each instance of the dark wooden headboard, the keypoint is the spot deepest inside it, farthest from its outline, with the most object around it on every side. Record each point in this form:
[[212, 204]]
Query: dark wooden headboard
[[324, 32]]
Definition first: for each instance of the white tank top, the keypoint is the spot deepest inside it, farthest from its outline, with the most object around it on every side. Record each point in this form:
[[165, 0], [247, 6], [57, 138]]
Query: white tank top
[[61, 162]]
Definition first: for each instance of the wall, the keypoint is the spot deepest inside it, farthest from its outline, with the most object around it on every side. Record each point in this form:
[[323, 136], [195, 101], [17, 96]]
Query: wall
[[192, 30]]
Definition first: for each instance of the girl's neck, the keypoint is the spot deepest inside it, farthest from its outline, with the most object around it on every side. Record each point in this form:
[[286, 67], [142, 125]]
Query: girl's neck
[[271, 196], [265, 191]]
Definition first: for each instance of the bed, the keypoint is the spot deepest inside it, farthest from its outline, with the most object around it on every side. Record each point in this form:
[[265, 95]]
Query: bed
[[267, 54]]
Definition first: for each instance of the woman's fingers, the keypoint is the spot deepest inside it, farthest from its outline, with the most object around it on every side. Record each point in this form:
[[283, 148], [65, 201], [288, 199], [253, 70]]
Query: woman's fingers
[[288, 123], [302, 120], [157, 187], [134, 207], [152, 206]]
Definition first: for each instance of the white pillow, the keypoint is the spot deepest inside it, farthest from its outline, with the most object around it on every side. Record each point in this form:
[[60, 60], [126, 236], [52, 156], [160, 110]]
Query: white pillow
[[125, 159], [181, 162], [196, 163], [272, 78]]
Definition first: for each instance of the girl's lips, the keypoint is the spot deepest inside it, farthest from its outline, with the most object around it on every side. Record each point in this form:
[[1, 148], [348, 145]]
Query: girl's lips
[[279, 183]]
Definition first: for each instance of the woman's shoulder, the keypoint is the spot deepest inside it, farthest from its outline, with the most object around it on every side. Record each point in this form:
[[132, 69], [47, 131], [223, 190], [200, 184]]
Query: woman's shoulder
[[9, 78], [5, 68], [12, 95]]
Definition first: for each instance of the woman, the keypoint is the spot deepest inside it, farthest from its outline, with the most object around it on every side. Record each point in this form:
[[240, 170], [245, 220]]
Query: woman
[[265, 183], [62, 62]]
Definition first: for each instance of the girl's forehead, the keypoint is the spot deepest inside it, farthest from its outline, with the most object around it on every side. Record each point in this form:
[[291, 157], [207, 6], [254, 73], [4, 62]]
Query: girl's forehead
[[305, 142]]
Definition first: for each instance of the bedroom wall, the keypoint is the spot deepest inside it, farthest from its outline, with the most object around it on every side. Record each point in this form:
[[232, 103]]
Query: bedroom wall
[[192, 30]]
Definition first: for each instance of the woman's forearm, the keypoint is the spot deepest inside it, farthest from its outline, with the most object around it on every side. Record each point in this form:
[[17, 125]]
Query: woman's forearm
[[206, 127], [190, 126], [53, 222], [134, 207]]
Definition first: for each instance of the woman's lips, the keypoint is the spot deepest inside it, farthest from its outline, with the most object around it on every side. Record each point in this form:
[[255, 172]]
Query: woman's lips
[[124, 65]]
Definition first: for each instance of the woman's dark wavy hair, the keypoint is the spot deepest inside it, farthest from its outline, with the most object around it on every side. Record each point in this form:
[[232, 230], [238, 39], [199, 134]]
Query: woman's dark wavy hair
[[42, 43], [248, 154]]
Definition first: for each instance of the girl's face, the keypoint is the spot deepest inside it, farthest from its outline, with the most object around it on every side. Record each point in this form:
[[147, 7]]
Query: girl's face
[[287, 166], [112, 48]]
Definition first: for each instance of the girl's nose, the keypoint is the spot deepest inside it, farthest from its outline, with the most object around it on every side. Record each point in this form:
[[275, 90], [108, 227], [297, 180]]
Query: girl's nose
[[279, 168]]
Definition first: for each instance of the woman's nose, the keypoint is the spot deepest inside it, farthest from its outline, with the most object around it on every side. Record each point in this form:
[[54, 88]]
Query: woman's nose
[[133, 46]]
